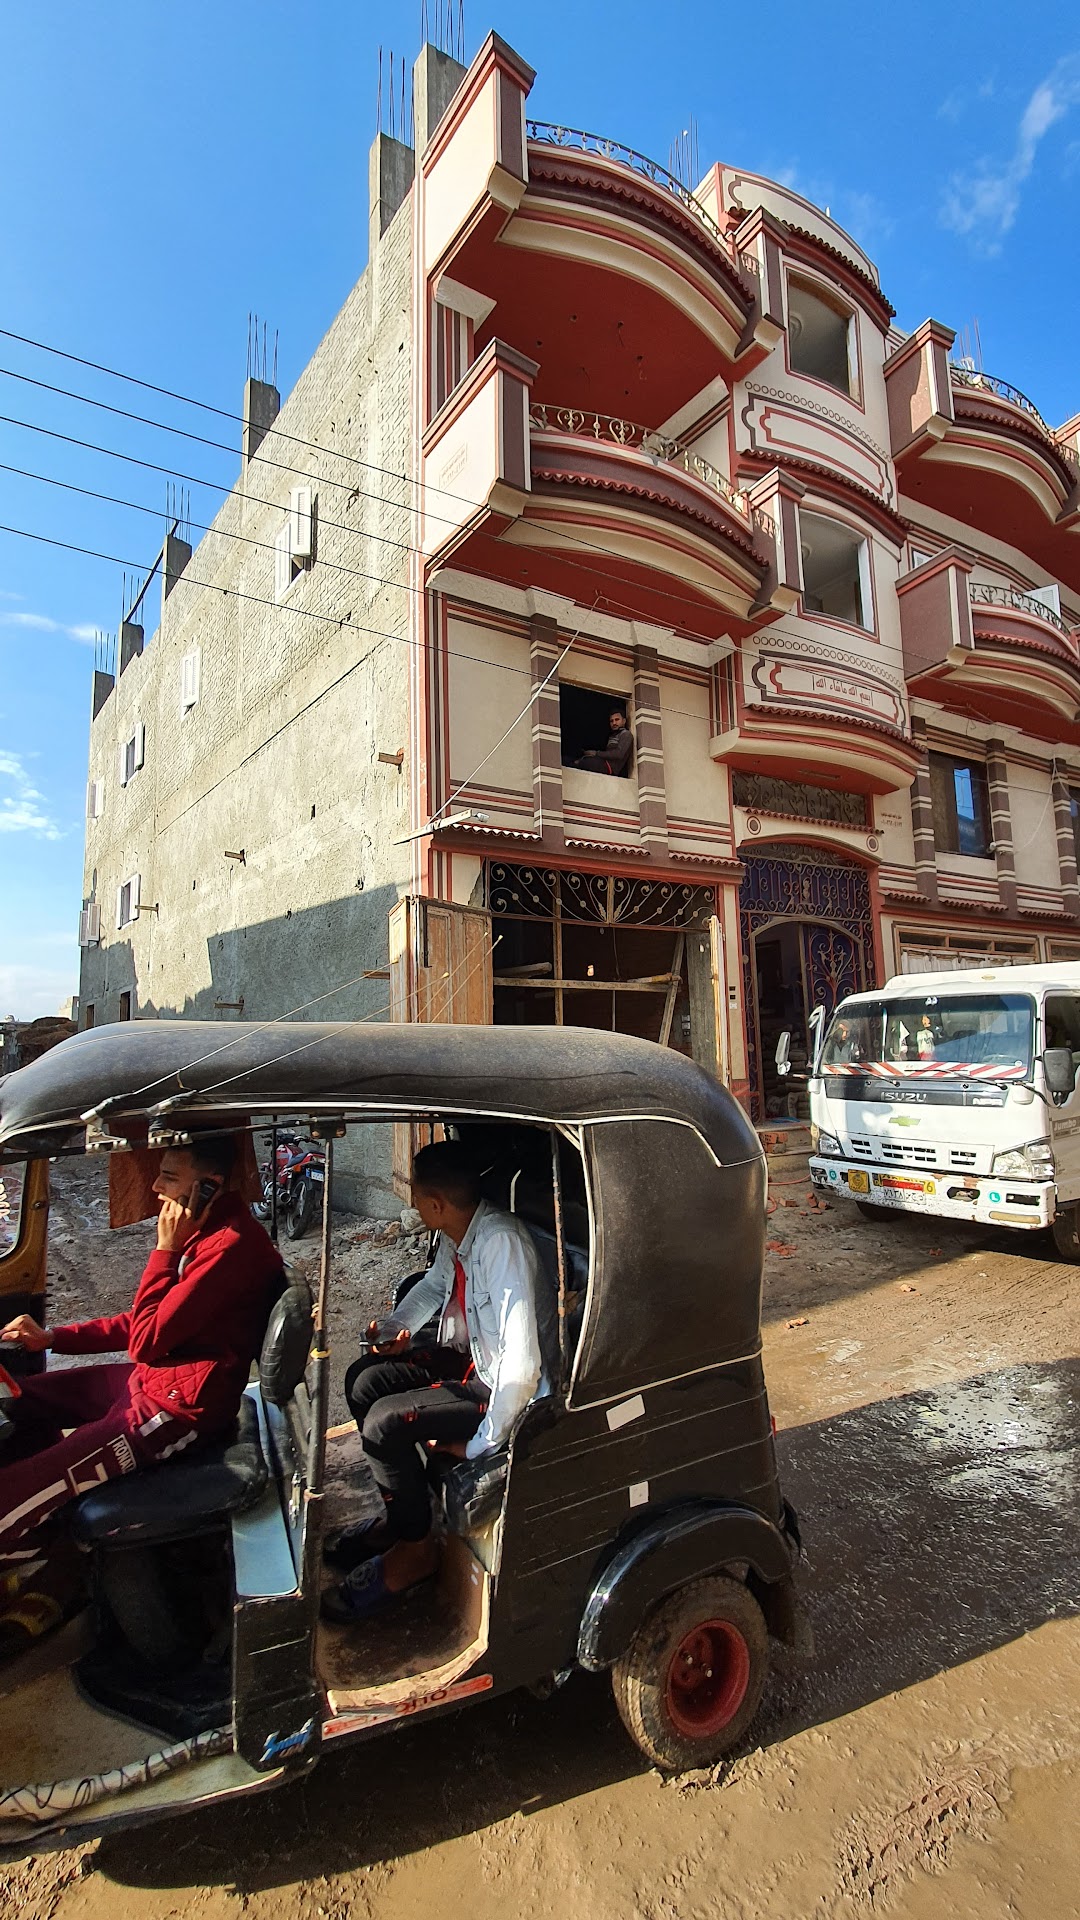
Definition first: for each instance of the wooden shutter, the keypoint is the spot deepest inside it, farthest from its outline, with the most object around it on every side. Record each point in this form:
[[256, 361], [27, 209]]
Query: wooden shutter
[[300, 543], [440, 972]]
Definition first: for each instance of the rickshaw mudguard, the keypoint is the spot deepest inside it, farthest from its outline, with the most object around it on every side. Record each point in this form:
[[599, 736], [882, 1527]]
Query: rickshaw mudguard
[[23, 1267], [669, 1551]]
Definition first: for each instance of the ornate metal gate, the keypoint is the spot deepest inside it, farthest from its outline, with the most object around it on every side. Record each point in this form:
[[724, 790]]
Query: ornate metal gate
[[831, 897]]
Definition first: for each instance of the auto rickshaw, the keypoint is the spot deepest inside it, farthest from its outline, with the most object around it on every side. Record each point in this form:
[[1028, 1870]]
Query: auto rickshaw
[[633, 1525]]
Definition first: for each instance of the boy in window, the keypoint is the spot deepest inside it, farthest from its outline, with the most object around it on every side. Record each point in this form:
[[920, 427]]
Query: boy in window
[[618, 755]]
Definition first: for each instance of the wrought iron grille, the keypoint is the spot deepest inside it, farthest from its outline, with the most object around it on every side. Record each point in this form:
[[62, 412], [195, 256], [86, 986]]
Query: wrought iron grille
[[550, 135], [829, 896], [1019, 602], [989, 383], [547, 418], [597, 899]]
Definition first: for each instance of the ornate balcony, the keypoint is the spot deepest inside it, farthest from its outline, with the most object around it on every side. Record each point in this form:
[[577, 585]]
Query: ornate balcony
[[678, 540], [991, 653]]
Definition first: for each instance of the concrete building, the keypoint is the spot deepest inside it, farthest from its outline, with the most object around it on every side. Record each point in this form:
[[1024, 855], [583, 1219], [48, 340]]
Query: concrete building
[[665, 451]]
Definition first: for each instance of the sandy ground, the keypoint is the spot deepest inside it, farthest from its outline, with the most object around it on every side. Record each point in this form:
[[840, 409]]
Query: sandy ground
[[926, 1385]]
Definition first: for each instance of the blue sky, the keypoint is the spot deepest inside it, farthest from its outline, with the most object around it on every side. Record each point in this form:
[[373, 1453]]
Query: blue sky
[[165, 171]]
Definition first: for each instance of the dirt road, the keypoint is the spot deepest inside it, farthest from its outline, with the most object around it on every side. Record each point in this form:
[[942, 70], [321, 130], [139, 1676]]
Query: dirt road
[[926, 1384]]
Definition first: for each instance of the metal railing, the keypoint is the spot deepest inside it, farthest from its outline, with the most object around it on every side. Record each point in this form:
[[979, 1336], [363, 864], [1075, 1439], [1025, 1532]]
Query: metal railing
[[583, 422], [1013, 600], [550, 135], [973, 377]]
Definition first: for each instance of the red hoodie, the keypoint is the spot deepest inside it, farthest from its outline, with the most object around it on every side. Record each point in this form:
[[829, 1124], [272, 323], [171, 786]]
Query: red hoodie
[[197, 1320]]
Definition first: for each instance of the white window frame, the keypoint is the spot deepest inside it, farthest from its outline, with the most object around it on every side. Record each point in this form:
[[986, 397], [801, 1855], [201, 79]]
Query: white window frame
[[132, 753], [868, 623], [190, 680], [294, 542], [844, 311], [129, 907], [95, 799], [90, 925]]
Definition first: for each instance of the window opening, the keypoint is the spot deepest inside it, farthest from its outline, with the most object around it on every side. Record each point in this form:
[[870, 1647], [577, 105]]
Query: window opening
[[294, 543], [125, 1007], [591, 736], [835, 570], [190, 674], [452, 346], [819, 337], [132, 755], [961, 806], [127, 901], [88, 1015]]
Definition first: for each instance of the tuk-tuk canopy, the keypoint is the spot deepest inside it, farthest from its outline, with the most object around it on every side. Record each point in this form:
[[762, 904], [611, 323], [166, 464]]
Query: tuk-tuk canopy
[[675, 1170]]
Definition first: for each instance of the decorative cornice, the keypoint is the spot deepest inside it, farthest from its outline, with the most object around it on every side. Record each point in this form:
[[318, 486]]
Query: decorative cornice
[[886, 311]]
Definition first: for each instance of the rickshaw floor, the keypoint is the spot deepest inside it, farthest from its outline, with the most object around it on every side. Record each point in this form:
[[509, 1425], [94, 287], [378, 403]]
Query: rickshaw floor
[[441, 1626]]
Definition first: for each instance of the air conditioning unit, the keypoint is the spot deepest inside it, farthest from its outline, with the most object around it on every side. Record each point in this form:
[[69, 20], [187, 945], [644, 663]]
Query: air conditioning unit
[[90, 925]]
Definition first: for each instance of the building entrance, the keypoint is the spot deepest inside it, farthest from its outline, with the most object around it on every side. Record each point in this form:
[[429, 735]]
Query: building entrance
[[807, 941]]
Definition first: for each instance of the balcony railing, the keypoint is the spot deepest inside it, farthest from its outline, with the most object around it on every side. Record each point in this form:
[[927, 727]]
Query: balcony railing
[[1016, 602], [973, 377], [552, 136], [584, 423]]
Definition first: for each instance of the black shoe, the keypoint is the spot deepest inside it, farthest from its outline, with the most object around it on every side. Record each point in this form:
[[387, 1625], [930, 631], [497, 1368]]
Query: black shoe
[[356, 1544]]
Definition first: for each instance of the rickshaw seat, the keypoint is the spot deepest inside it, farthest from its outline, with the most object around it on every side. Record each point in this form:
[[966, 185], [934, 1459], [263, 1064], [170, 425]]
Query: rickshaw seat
[[225, 1477]]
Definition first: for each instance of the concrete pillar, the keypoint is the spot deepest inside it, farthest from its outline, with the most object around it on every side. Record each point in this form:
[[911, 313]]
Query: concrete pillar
[[649, 750], [262, 404], [922, 818], [103, 686], [997, 780], [175, 555], [1066, 843], [436, 79], [131, 642], [544, 651], [390, 175]]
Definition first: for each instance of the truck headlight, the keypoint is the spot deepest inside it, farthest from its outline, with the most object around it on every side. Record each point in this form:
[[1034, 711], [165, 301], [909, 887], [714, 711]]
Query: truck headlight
[[826, 1143], [1035, 1161]]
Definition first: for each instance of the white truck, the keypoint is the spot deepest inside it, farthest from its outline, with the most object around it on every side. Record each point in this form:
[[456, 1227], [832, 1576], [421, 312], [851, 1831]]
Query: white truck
[[954, 1094]]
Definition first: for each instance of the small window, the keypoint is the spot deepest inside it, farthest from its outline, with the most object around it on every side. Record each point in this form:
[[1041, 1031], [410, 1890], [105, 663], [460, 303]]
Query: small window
[[95, 799], [819, 337], [294, 543], [961, 806], [132, 755], [451, 351], [125, 1007], [595, 732], [836, 570], [127, 901], [190, 677], [89, 1016]]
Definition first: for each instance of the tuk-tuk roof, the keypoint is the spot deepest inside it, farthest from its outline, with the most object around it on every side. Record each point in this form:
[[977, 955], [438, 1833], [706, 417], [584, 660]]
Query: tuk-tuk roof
[[676, 1172], [542, 1073]]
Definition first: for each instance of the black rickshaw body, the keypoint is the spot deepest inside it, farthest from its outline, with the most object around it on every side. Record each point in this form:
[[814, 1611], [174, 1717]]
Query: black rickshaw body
[[645, 1464]]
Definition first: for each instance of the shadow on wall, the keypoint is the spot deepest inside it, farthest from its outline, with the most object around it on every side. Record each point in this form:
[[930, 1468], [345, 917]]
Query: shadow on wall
[[261, 972]]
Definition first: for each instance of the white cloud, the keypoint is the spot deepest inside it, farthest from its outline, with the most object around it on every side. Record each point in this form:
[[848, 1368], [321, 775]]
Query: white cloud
[[982, 205], [22, 811], [41, 623]]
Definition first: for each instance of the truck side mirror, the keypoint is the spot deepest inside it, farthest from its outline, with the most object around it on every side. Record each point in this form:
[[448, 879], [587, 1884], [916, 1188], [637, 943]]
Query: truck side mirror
[[1059, 1071], [783, 1055]]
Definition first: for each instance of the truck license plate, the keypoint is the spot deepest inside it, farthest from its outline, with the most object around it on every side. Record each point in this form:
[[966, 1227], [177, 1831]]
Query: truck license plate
[[901, 1183]]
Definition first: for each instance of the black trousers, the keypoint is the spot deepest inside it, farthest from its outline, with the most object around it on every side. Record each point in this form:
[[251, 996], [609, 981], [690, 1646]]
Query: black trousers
[[397, 1403]]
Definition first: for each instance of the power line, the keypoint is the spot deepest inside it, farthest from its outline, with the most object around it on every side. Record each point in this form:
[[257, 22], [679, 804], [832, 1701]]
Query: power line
[[557, 534]]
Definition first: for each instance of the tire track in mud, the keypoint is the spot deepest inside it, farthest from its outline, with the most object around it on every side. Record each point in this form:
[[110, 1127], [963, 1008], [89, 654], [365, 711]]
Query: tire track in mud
[[887, 1847]]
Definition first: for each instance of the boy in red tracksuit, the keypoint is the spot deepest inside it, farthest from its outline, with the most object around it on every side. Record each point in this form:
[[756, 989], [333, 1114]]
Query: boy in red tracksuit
[[195, 1326]]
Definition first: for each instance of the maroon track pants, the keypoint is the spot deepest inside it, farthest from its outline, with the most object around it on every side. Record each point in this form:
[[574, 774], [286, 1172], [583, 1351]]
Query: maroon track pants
[[116, 1431]]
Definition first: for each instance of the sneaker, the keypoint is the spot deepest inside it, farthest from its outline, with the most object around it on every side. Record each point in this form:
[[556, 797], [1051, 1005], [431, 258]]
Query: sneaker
[[364, 1593]]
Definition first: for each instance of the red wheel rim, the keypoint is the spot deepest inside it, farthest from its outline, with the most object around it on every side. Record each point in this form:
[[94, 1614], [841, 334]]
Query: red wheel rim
[[707, 1679]]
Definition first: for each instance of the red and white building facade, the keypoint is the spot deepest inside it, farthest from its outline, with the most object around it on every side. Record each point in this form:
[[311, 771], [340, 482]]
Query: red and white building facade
[[675, 454]]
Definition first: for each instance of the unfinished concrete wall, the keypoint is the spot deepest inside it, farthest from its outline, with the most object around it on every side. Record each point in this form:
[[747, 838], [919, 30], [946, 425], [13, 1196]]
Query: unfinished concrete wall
[[301, 686]]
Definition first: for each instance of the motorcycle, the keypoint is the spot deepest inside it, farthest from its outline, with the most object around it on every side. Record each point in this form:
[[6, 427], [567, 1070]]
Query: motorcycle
[[300, 1174]]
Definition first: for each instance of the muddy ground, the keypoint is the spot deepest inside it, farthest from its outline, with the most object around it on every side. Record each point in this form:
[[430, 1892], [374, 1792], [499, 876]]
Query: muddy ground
[[926, 1386]]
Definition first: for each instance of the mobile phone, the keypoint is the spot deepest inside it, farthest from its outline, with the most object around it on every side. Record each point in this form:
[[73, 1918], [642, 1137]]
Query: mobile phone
[[206, 1191]]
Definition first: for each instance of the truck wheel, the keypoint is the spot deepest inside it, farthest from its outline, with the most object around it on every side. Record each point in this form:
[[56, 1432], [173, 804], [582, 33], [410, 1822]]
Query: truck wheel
[[691, 1679], [1065, 1228], [870, 1211]]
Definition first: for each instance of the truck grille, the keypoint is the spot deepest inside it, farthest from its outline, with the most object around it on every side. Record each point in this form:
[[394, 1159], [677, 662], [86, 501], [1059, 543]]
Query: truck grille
[[899, 1153]]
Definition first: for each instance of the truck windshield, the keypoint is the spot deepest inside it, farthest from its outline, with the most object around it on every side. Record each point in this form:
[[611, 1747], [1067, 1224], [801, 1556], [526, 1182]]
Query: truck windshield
[[984, 1035]]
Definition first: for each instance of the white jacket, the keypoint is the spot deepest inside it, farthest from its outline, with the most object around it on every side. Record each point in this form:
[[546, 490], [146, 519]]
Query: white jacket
[[504, 1288]]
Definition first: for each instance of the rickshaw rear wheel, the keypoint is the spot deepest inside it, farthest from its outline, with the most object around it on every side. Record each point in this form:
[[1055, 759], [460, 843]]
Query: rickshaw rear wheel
[[691, 1680]]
